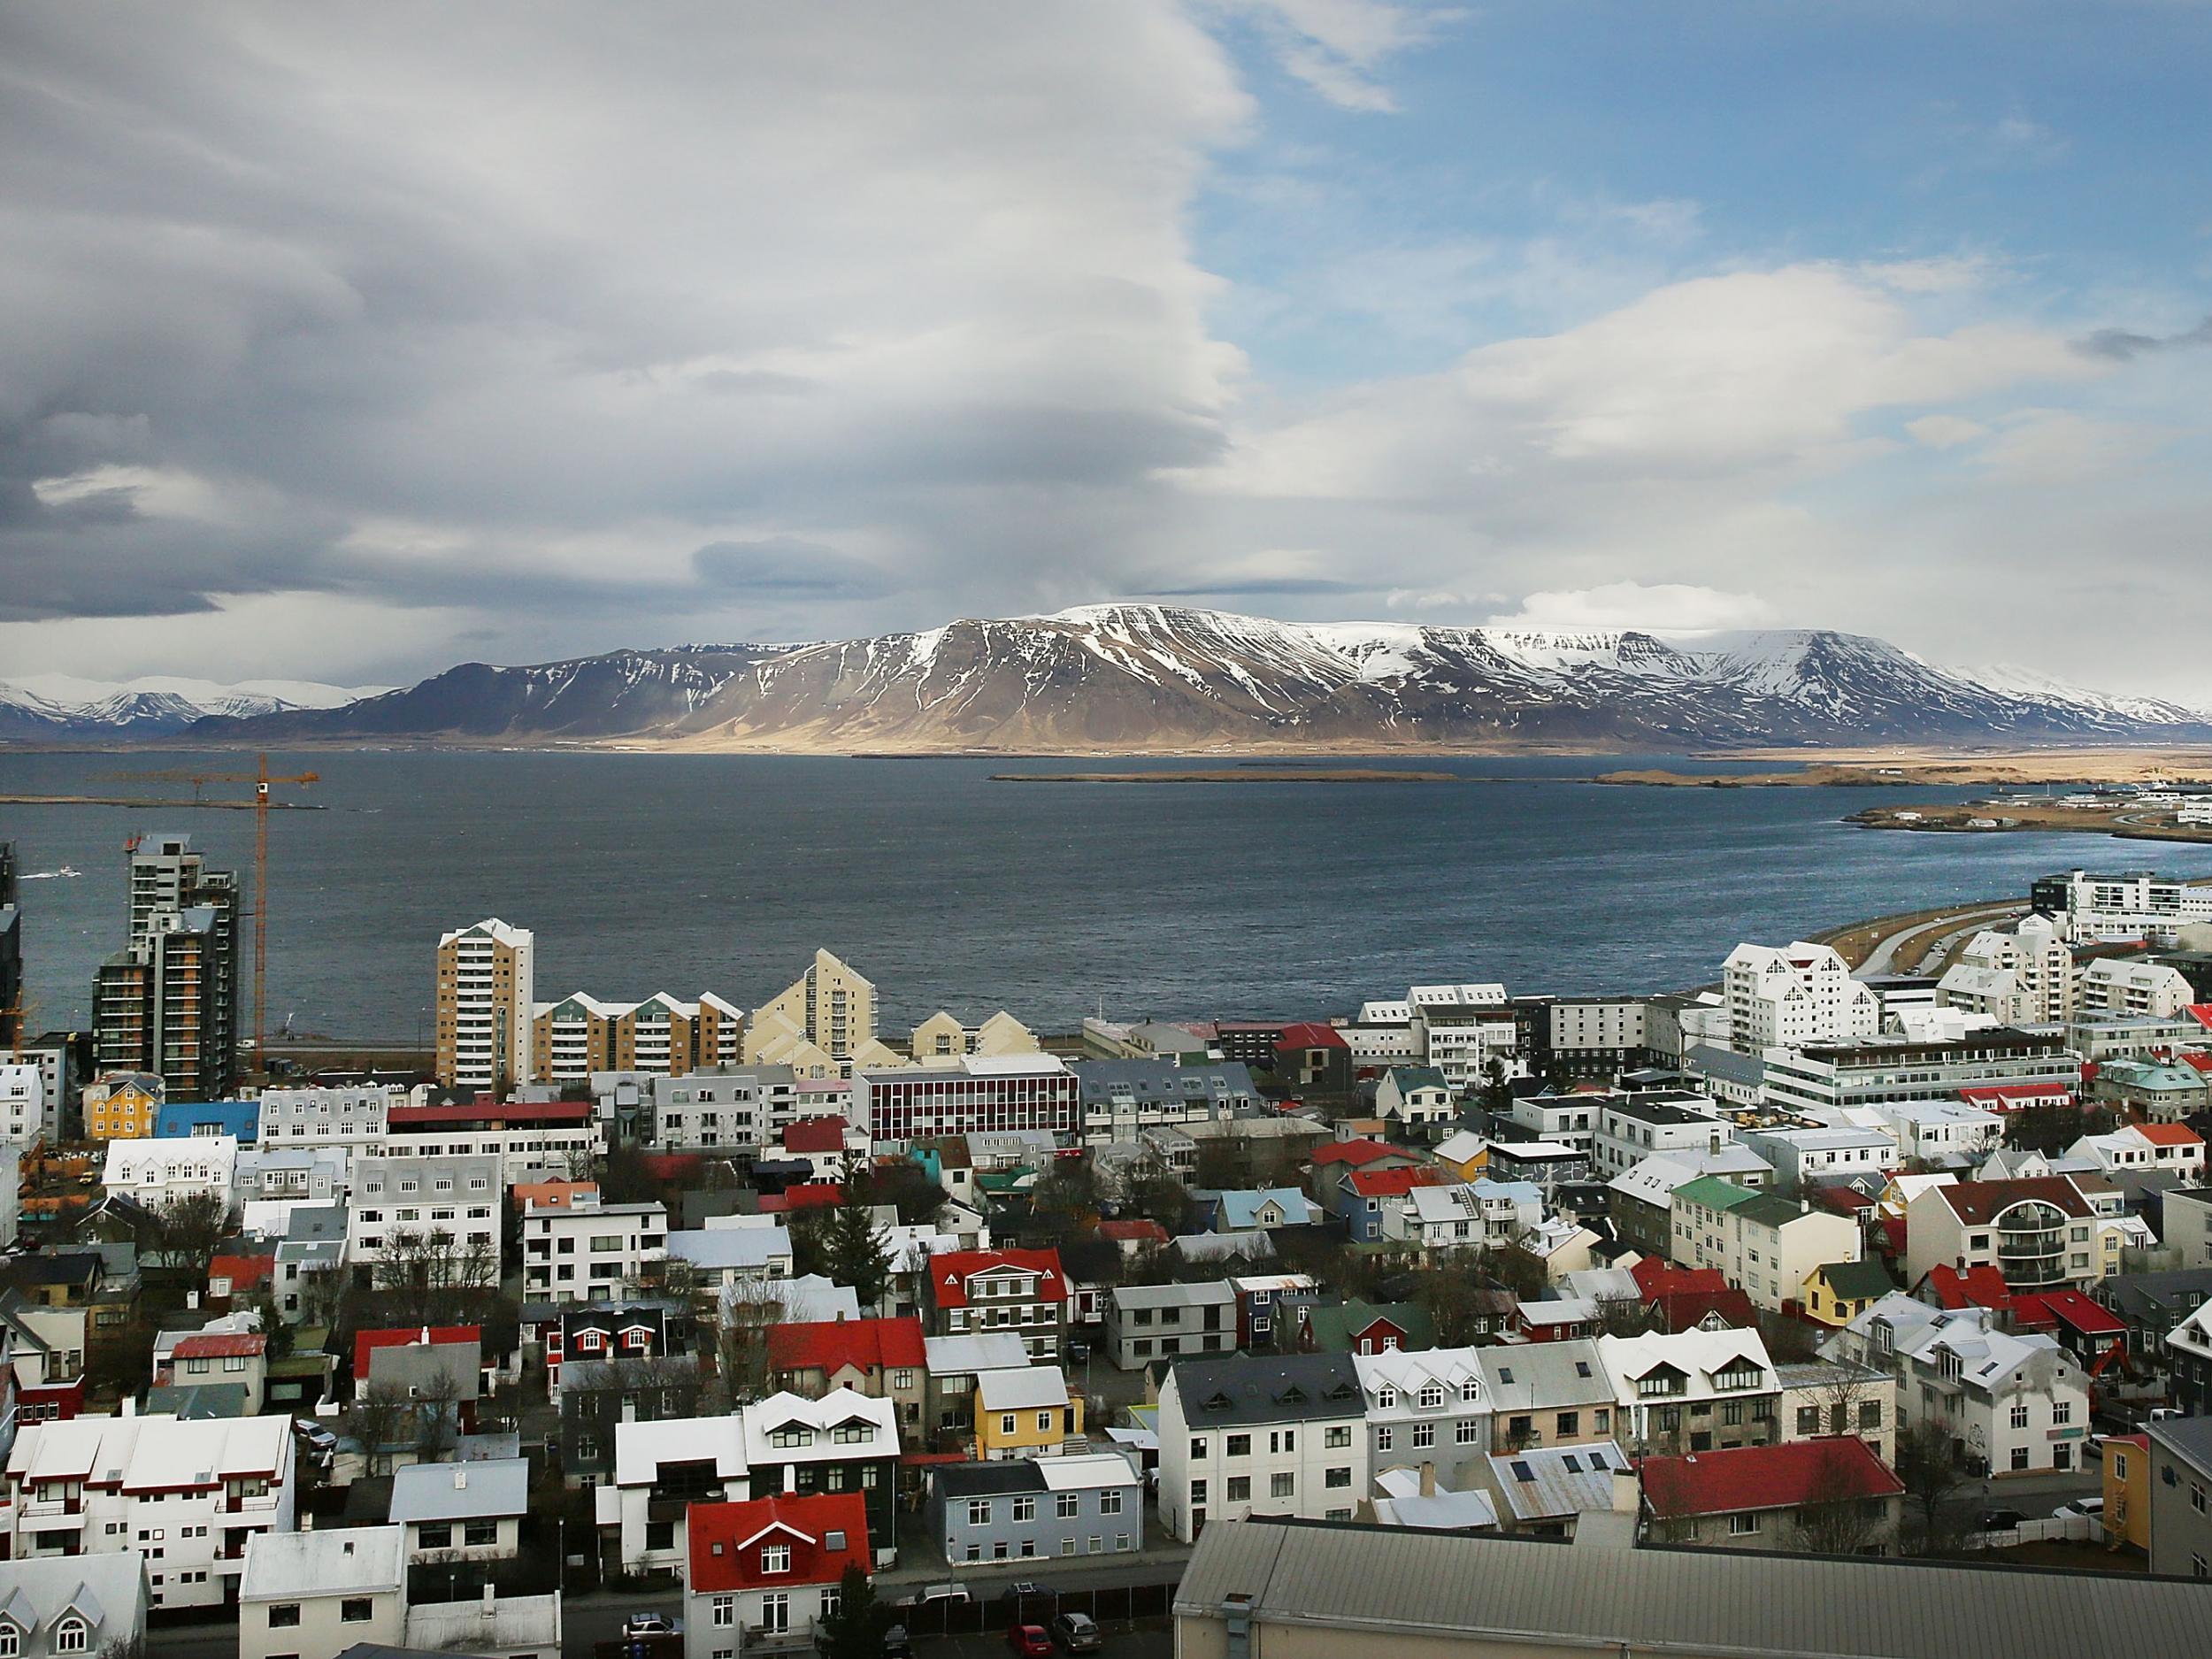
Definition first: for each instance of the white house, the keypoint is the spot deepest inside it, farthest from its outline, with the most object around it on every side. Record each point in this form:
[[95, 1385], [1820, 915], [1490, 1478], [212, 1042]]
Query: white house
[[764, 1571], [1464, 1215], [1416, 1096], [1260, 1435], [356, 1117], [1429, 1408], [1799, 1154], [1793, 996], [462, 1511], [1631, 1129], [419, 1198], [159, 1170], [54, 1606], [721, 1257], [1695, 1391], [1941, 1131], [660, 1469], [2174, 1148], [312, 1596], [197, 1491], [583, 1251]]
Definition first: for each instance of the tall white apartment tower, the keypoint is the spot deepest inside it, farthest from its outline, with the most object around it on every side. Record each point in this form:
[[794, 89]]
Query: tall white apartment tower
[[1797, 995], [485, 984]]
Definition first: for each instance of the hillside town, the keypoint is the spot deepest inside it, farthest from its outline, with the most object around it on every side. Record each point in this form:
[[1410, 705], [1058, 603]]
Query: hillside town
[[712, 1324]]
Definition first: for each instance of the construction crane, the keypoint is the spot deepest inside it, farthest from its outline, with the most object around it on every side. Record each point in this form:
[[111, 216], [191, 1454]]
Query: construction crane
[[261, 780]]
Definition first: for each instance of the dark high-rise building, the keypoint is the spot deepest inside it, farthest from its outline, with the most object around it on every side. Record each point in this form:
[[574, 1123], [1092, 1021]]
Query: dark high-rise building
[[11, 951], [168, 1003]]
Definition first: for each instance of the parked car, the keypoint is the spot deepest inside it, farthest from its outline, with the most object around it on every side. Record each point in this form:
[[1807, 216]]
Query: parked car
[[930, 1593], [2000, 1520], [896, 1644], [1027, 1590], [2089, 1508], [1029, 1640], [647, 1625], [319, 1439], [1078, 1350], [1078, 1632]]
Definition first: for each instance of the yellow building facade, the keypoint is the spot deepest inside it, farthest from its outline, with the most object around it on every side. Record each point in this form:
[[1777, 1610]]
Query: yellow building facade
[[122, 1107]]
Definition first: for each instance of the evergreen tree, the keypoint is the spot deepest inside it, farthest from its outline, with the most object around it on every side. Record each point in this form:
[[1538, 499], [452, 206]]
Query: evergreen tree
[[855, 1629], [854, 1252]]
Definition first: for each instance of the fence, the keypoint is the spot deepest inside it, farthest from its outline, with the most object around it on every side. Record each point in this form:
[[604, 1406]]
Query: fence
[[2057, 1529], [1110, 1605]]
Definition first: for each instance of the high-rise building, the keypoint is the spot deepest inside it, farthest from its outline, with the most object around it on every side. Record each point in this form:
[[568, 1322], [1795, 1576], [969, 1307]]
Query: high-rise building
[[821, 1025], [485, 980], [167, 1004], [1797, 995], [11, 951], [661, 1036]]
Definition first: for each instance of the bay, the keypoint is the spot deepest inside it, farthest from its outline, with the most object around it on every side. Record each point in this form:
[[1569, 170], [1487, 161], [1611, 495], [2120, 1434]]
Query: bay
[[686, 872]]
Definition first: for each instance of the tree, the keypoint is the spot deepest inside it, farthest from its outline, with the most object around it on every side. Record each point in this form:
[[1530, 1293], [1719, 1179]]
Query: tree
[[375, 1419], [751, 1308], [433, 1277], [1151, 1190], [1497, 1085], [1836, 1518], [273, 1326], [855, 1629], [853, 1251], [1064, 1202], [906, 1186], [1457, 1298], [437, 1416], [1789, 1341], [191, 1229], [1221, 1165], [119, 1359], [1932, 1471], [2050, 1130]]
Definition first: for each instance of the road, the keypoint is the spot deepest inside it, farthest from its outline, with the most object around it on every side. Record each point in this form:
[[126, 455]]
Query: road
[[1882, 959]]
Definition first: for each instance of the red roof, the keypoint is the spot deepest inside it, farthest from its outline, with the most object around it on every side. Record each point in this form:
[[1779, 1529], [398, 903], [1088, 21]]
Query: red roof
[[2173, 1134], [514, 1112], [1683, 1311], [1391, 1183], [1846, 1201], [1311, 1033], [2201, 1012], [1982, 1287], [366, 1342], [220, 1345], [825, 1533], [671, 1166], [1137, 1230], [2202, 1062], [831, 1345], [1355, 1152], [1766, 1477], [805, 1196], [2073, 1309], [814, 1134], [948, 1273], [2001, 1097], [1979, 1203], [244, 1272], [1655, 1276]]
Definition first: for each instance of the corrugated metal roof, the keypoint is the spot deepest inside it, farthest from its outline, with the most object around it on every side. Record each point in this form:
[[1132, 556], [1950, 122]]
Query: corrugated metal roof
[[1696, 1600]]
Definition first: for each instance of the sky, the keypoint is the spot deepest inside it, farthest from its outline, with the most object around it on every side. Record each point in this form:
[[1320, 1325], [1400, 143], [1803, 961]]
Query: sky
[[345, 343]]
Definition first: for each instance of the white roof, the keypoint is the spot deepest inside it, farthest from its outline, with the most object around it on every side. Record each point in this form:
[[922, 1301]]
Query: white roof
[[487, 1488], [1697, 1353], [1459, 1146], [978, 1351], [722, 1249], [295, 1564], [1456, 995], [1559, 1311], [1030, 1388], [158, 1452], [1086, 1470], [1541, 1481], [640, 1448], [838, 1405], [1402, 1503], [1410, 1372]]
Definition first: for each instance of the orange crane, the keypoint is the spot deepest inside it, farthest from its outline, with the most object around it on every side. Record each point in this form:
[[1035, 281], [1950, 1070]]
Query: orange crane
[[261, 780]]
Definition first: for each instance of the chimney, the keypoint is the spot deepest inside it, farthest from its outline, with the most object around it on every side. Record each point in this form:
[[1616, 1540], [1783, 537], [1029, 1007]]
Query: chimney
[[1428, 1480], [491, 1602], [1628, 1498], [426, 1336], [1236, 1612], [460, 1479]]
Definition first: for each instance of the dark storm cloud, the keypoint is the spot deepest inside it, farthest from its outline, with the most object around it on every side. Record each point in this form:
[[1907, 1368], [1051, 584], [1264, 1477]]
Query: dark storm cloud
[[783, 565], [2122, 346]]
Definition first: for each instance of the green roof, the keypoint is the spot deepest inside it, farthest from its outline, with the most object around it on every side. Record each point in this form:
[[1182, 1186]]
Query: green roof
[[1769, 1211], [1332, 1326], [1857, 1281], [1714, 1193]]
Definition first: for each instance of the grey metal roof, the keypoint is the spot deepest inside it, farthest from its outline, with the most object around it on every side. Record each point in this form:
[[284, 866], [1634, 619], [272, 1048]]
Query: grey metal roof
[[2189, 1439], [1694, 1600], [1545, 1376], [977, 1480], [1268, 1388], [461, 1492]]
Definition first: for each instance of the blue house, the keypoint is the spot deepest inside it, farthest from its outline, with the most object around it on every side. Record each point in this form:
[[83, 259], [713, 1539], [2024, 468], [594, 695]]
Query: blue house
[[239, 1118], [1037, 1509]]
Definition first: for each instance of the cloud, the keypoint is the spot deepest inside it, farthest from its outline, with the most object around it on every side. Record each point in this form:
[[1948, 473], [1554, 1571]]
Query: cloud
[[783, 565], [2122, 346], [1660, 607], [1945, 431], [1336, 47]]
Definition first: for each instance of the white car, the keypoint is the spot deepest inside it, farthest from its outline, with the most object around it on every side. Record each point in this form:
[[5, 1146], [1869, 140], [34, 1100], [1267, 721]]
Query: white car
[[2087, 1509], [647, 1625]]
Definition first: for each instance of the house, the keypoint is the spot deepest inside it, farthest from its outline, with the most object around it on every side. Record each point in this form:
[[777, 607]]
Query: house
[[1560, 1246], [2094, 1337], [582, 1252], [1279, 1434], [721, 1257], [1332, 1162], [96, 1485], [1263, 1301], [1311, 1060], [438, 1214], [1542, 1490], [1831, 1494], [206, 1356], [315, 1594], [1836, 1293], [1365, 1199], [1693, 1391], [2180, 1482], [1133, 1235], [122, 1105], [159, 1171], [1022, 1291], [462, 1511], [2189, 1363], [883, 1358], [1149, 1322], [1631, 1128], [1838, 1396], [1361, 1328], [1428, 1410], [1035, 1511], [2011, 1404], [1554, 1319], [2174, 1149], [660, 1470], [1415, 1097], [1485, 1214], [1941, 1131], [1258, 1209], [461, 1349], [1546, 1394], [1462, 1155], [764, 1570], [844, 1442], [43, 1351], [952, 1364], [1639, 1201], [2040, 1233], [55, 1606], [2127, 1491], [1026, 1413], [1418, 1498], [1763, 1243], [595, 1335]]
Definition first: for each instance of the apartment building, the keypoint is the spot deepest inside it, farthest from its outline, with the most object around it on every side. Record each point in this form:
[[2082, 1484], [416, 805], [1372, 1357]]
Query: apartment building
[[485, 984], [314, 1595], [186, 1495], [1765, 1245], [1149, 1322], [661, 1036], [1428, 1408], [353, 1117], [1459, 1029], [726, 1106], [822, 1025], [844, 1442], [1819, 1078], [1122, 1098], [2040, 1233], [1633, 1128], [159, 1171], [1695, 1391], [1794, 997], [764, 1573], [169, 1001], [589, 1251], [402, 1206], [1953, 1132], [532, 1139], [1021, 1290], [661, 1470], [974, 1093], [23, 1118], [2025, 976], [2133, 904], [2115, 987], [1261, 1435], [1594, 1036]]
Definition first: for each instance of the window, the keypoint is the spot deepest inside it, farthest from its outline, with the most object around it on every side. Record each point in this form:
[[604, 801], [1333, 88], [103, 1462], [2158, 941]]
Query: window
[[1240, 1488], [725, 1614], [1198, 1492], [2020, 1414], [978, 1511], [2061, 1411], [1025, 1508], [1740, 1525], [1239, 1446], [1337, 1478], [1006, 1422], [1869, 1414], [1807, 1421], [2019, 1457], [1432, 1397], [1424, 1436], [284, 1615], [354, 1609], [1383, 1438], [1110, 1503], [1197, 1446], [776, 1558], [480, 1534], [1284, 1485], [1044, 1423], [434, 1535], [1067, 1505]]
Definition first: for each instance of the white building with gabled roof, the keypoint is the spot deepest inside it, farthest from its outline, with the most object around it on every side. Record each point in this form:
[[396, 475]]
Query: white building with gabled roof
[[312, 1596], [1429, 1408], [57, 1607], [1788, 997], [1693, 1391]]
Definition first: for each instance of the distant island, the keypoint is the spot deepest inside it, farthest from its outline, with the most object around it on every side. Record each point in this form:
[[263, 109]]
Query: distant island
[[1238, 774]]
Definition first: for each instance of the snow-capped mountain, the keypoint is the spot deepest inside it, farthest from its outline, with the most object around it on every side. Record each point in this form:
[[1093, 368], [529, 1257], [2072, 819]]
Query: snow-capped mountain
[[63, 707], [1139, 677]]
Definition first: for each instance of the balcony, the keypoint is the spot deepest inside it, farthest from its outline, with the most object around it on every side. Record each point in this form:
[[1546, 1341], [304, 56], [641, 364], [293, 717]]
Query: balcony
[[2016, 1247], [49, 1515], [262, 1503]]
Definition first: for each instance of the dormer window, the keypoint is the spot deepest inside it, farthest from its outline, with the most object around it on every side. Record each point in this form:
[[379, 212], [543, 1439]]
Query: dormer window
[[11, 1640], [69, 1635], [776, 1558], [1738, 1375], [791, 1436], [1386, 1398], [1471, 1391], [1432, 1397]]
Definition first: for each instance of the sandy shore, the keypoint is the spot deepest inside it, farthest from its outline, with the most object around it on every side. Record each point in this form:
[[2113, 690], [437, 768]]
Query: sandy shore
[[1241, 774]]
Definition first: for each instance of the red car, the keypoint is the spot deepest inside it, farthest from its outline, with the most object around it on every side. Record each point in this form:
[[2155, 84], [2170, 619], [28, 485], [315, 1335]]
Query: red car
[[1030, 1640]]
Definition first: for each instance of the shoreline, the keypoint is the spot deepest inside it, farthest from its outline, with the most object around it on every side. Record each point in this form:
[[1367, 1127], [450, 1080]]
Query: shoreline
[[1346, 774]]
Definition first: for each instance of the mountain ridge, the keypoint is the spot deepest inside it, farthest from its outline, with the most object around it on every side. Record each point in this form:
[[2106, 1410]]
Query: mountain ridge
[[1135, 678]]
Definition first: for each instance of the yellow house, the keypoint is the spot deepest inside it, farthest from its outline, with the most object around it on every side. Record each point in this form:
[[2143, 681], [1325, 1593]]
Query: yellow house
[[1837, 1293], [122, 1106], [1466, 1154], [1025, 1413], [2127, 1490]]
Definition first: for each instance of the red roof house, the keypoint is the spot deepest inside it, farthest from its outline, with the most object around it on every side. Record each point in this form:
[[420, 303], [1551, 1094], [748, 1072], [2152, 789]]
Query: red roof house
[[1984, 1286], [237, 1274], [1025, 1291], [366, 1343], [1734, 1493], [1392, 1183], [814, 1134], [791, 1547], [1357, 1153], [826, 1353], [805, 1196]]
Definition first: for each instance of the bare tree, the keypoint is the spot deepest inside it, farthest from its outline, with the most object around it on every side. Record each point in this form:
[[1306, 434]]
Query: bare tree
[[191, 1229], [749, 1309], [1837, 1518], [431, 1275], [1933, 1472], [437, 1402], [376, 1418]]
